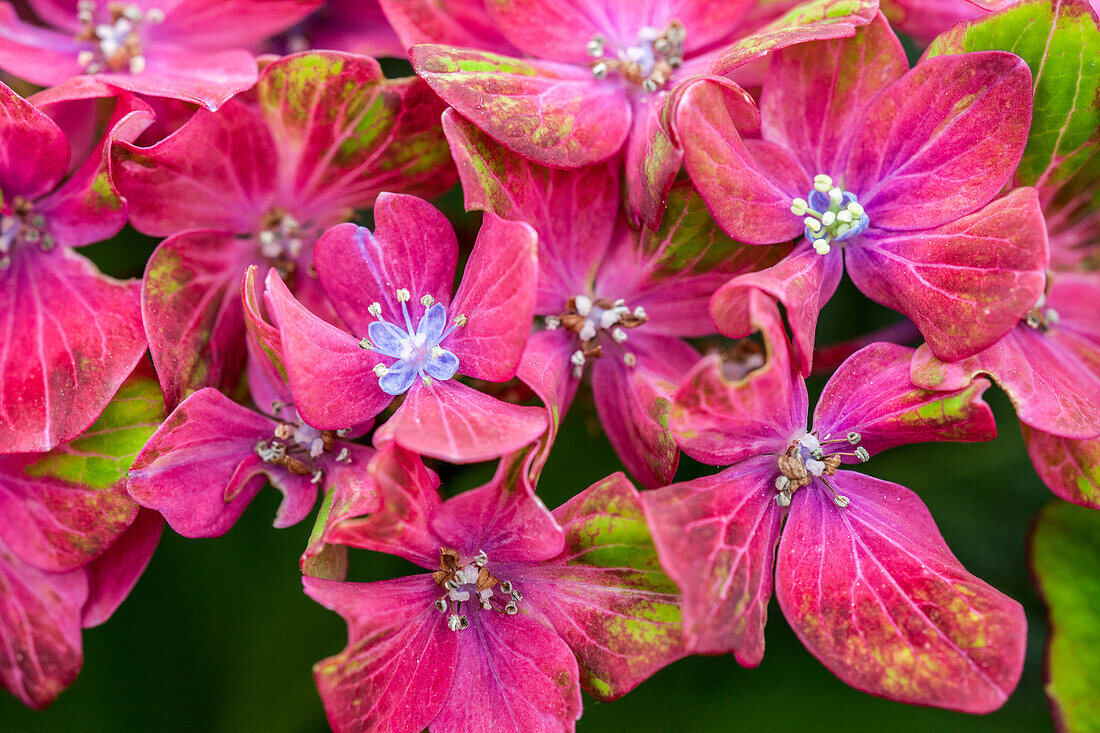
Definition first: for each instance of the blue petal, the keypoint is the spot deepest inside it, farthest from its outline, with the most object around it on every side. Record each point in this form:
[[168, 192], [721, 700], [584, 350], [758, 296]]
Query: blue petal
[[386, 338], [442, 367], [819, 202], [855, 231], [432, 324], [399, 378]]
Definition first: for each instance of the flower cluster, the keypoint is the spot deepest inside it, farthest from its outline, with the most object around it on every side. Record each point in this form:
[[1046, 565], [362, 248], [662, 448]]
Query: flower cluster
[[669, 193]]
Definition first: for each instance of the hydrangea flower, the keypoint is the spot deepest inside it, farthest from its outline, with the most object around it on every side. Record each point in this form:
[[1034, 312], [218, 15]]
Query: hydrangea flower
[[407, 337], [595, 75], [355, 26], [1049, 365], [186, 49], [69, 335], [894, 171], [861, 573], [519, 609], [249, 185], [614, 300]]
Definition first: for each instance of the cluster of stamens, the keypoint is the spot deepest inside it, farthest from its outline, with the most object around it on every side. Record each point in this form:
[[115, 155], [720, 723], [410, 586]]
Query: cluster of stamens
[[281, 241], [417, 349], [21, 224], [296, 447], [118, 42], [649, 63], [587, 318], [832, 214], [455, 577], [1040, 317], [805, 460]]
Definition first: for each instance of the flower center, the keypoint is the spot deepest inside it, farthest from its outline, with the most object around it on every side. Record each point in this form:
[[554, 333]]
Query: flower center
[[473, 584], [832, 214], [416, 348], [589, 318], [19, 223], [296, 446], [806, 459], [118, 40], [282, 240], [648, 63]]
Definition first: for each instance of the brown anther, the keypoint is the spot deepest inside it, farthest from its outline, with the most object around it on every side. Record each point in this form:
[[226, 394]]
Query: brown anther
[[448, 566], [485, 579], [572, 321], [284, 431], [328, 438], [791, 466], [296, 466], [832, 463]]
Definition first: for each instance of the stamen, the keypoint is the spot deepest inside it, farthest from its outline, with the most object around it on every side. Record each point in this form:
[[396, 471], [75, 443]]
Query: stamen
[[403, 295], [427, 301], [457, 623], [629, 359], [441, 604], [380, 370], [375, 309], [461, 320]]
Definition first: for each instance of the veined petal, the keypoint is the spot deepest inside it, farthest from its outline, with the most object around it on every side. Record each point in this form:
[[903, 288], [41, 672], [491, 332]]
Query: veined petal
[[1069, 467]]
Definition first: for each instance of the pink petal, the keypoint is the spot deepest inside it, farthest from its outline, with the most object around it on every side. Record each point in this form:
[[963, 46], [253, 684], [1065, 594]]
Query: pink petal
[[218, 171], [607, 579], [398, 666], [521, 675], [356, 26], [504, 518], [546, 369], [69, 337], [875, 594], [266, 370], [802, 282], [871, 394], [942, 140], [550, 114], [40, 645], [1070, 468], [206, 78], [652, 162], [497, 295], [112, 575], [462, 23], [345, 133], [214, 24], [331, 376], [413, 247], [39, 154], [42, 56], [572, 210], [815, 93], [716, 538], [456, 423], [557, 31], [190, 303], [926, 19], [966, 283], [720, 418]]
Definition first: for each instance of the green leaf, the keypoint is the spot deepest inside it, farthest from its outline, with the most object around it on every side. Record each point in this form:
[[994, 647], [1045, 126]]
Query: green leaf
[[1065, 556], [1060, 43], [320, 559]]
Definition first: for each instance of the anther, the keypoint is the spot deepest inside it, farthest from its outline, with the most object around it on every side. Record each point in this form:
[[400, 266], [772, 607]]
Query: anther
[[381, 370], [812, 224], [782, 483], [817, 454], [649, 85], [828, 219], [841, 501], [822, 182], [450, 585], [441, 605], [600, 70], [853, 437], [427, 301], [403, 295], [552, 323], [516, 595], [344, 456], [596, 46], [457, 623], [506, 587], [619, 335], [137, 64], [317, 476], [481, 559], [799, 207], [154, 15], [461, 320], [84, 58], [783, 498], [577, 358], [862, 454], [640, 313], [375, 309], [836, 196], [822, 247], [629, 359], [511, 609]]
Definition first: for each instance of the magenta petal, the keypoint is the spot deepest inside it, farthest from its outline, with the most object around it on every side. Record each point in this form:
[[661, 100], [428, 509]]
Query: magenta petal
[[965, 283], [398, 666], [413, 247], [456, 423], [232, 23], [875, 594], [716, 538], [539, 691], [871, 394], [497, 295], [461, 23], [556, 30], [218, 171], [1070, 468], [40, 55], [112, 575], [802, 282], [504, 518], [331, 376], [633, 404], [815, 93], [207, 78], [190, 303], [942, 140], [41, 152], [546, 369], [606, 579], [652, 162], [572, 210], [69, 337], [40, 644], [551, 114], [751, 202]]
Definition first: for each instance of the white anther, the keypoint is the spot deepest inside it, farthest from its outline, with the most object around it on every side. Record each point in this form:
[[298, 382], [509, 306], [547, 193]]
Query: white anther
[[132, 12], [783, 499], [461, 320], [782, 483], [619, 335], [316, 448], [137, 64], [649, 85], [344, 456], [799, 207], [380, 370], [588, 331], [822, 247], [836, 196], [375, 309], [610, 317], [457, 623], [812, 224], [403, 295], [427, 301], [441, 605], [822, 182], [154, 15], [828, 219], [599, 70], [855, 209], [552, 323], [629, 359], [844, 216], [841, 501], [511, 609], [862, 454], [481, 559], [640, 313], [595, 46], [317, 476], [85, 57], [283, 431], [582, 304], [853, 437], [577, 358]]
